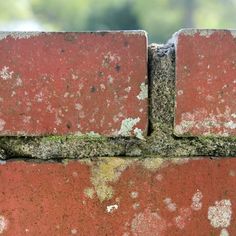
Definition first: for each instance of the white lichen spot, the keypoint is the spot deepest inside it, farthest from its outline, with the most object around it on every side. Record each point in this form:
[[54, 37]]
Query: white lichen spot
[[134, 195], [39, 97], [3, 224], [232, 173], [159, 177], [201, 119], [127, 126], [66, 95], [5, 74], [26, 119], [143, 92], [196, 201], [183, 218], [128, 89], [78, 106], [138, 133], [73, 231], [171, 206], [19, 82], [224, 232], [148, 222], [180, 92], [230, 125], [136, 205], [233, 115], [112, 208], [220, 214], [2, 124]]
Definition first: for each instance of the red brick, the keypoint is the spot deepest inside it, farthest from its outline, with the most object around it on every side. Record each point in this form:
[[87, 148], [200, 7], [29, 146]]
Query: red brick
[[68, 83], [205, 83], [195, 197]]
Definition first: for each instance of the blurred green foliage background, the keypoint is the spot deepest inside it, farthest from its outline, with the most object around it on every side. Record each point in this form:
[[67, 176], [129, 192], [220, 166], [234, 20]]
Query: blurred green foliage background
[[160, 18]]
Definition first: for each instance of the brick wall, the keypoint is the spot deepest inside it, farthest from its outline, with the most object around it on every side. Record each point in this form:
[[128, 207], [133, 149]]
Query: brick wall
[[102, 134]]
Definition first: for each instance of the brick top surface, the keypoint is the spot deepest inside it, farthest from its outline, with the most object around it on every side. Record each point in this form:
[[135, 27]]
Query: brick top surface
[[205, 83], [72, 83]]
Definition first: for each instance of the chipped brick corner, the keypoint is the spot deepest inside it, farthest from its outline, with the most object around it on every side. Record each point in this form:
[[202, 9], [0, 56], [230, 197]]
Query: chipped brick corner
[[101, 134]]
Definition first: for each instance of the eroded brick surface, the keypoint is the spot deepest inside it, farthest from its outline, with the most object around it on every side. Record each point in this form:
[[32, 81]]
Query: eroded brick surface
[[205, 83], [67, 83], [114, 196]]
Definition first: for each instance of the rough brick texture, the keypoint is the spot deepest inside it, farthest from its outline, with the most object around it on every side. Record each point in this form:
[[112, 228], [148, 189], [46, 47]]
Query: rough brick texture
[[72, 83], [117, 196], [205, 83], [65, 84]]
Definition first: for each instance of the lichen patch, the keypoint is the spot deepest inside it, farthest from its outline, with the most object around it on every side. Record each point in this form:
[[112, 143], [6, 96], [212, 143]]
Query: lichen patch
[[220, 214], [196, 201], [112, 208], [5, 73], [3, 224], [143, 92]]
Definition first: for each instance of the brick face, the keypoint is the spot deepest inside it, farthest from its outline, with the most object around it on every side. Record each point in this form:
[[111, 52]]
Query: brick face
[[67, 83], [96, 83], [118, 197], [205, 83]]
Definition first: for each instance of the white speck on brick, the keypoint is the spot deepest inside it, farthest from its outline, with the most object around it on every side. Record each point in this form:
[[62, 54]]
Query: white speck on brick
[[233, 115], [2, 124], [136, 205], [19, 82], [74, 231], [112, 208], [78, 106], [220, 214], [3, 224], [5, 74], [127, 126], [143, 92], [26, 119], [134, 194], [171, 206], [128, 89], [224, 232], [196, 201]]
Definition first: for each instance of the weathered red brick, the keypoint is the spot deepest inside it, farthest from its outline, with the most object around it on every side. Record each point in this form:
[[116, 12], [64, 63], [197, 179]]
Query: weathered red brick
[[205, 83], [68, 83], [115, 196]]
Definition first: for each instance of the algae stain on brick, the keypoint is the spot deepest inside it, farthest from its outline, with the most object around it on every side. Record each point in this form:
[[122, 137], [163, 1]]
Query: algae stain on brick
[[106, 171]]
